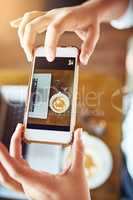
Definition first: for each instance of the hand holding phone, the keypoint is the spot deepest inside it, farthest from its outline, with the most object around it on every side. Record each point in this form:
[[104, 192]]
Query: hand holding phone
[[17, 175]]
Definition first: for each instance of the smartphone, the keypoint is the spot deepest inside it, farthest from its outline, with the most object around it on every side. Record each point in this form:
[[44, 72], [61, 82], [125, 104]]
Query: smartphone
[[50, 112]]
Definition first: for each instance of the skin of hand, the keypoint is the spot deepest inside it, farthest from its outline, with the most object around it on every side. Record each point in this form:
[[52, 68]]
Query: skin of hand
[[16, 174], [84, 20], [55, 23]]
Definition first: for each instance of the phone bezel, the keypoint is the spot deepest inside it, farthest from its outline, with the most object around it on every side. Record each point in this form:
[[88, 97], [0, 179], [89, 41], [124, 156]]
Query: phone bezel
[[49, 136]]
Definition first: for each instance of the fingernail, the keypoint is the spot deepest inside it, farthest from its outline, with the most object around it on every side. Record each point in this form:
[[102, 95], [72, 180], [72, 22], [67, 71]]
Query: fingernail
[[21, 43], [81, 130], [84, 59], [29, 58], [19, 125], [50, 55], [80, 133]]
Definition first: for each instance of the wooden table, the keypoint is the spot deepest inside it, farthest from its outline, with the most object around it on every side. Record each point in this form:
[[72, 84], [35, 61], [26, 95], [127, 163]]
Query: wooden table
[[103, 87]]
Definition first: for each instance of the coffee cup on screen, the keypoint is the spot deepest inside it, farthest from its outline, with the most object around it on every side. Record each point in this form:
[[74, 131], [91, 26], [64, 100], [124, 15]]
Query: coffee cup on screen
[[59, 103]]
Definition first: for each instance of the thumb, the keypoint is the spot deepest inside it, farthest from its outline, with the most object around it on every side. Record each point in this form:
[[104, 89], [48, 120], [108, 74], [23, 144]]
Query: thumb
[[89, 43], [77, 162]]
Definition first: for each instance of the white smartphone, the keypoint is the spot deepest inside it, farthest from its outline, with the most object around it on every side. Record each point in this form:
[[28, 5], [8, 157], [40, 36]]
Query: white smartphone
[[50, 112]]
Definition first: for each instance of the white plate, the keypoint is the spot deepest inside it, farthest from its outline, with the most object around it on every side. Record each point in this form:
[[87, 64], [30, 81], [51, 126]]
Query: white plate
[[66, 99], [101, 156]]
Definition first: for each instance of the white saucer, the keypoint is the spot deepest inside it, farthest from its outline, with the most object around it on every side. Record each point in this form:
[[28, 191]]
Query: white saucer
[[96, 148], [66, 99]]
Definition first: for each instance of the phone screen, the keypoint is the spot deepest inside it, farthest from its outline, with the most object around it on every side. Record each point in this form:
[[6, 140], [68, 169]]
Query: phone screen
[[51, 94]]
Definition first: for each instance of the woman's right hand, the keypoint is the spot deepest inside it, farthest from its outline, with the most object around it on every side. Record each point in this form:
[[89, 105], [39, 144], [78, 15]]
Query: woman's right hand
[[83, 20]]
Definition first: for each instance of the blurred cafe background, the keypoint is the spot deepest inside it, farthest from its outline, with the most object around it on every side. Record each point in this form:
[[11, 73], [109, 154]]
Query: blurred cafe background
[[104, 92]]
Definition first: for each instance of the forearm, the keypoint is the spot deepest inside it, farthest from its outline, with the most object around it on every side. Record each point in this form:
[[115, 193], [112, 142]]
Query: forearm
[[108, 10]]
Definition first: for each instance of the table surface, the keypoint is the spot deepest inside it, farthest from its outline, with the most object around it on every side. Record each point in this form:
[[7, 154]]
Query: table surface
[[112, 136], [104, 78]]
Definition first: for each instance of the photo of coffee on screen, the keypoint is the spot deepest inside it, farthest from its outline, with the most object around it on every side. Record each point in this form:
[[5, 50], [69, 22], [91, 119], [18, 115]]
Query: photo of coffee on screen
[[51, 94], [59, 102]]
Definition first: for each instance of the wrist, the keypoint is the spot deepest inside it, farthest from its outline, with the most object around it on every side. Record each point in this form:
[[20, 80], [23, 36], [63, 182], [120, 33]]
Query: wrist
[[111, 10], [106, 11]]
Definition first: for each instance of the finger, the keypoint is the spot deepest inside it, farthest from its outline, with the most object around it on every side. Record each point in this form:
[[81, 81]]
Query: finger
[[37, 25], [25, 20], [53, 34], [89, 44], [15, 170], [8, 182], [16, 142], [15, 23], [23, 175], [78, 151], [14, 167]]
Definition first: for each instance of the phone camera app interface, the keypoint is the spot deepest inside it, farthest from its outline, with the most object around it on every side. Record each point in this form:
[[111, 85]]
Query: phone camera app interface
[[51, 94]]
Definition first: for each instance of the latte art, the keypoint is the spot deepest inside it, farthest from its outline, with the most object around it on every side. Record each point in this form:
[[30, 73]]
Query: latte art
[[59, 103]]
